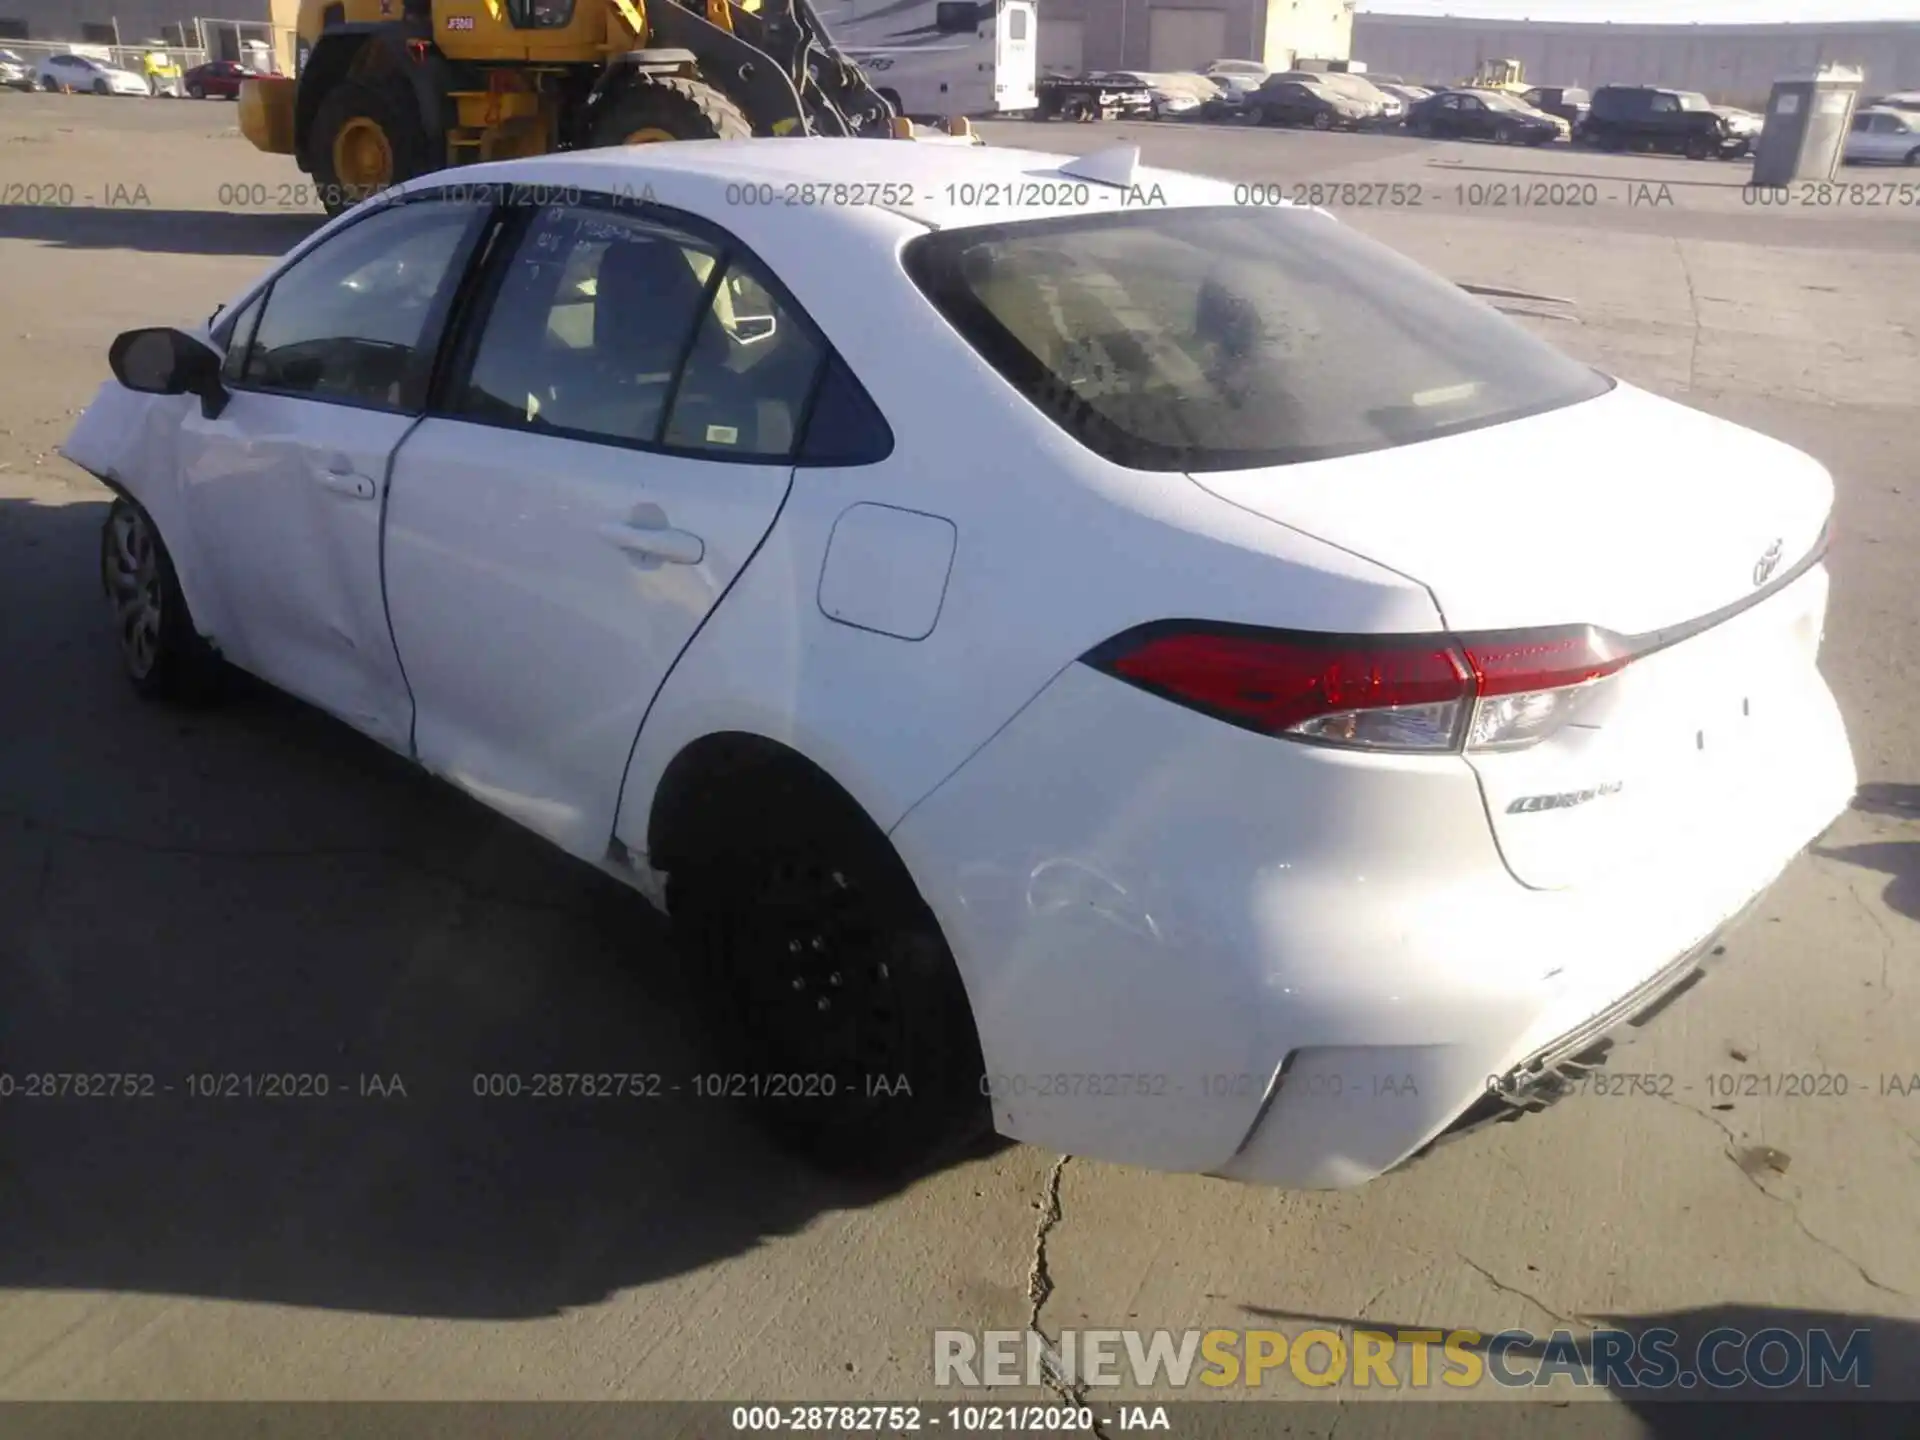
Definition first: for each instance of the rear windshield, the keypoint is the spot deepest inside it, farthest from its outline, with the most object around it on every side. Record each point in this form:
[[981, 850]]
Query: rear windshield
[[1226, 339]]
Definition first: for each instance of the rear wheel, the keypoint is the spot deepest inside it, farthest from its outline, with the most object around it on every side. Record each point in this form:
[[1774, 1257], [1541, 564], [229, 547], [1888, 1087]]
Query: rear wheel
[[162, 653], [100, 87], [196, 92], [1322, 120], [834, 1009], [1913, 156], [655, 108], [367, 136], [1505, 135], [1699, 147]]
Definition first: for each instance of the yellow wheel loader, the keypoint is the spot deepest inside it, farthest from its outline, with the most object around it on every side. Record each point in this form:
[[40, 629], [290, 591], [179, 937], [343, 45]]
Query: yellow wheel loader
[[389, 89]]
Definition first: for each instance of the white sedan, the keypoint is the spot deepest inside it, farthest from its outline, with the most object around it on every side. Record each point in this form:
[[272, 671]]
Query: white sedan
[[1175, 678], [85, 74], [1882, 135]]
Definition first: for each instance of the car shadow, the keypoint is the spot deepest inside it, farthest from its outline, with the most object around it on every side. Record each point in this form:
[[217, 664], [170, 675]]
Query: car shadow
[[158, 232], [1740, 180], [1898, 860], [1730, 1338], [265, 990]]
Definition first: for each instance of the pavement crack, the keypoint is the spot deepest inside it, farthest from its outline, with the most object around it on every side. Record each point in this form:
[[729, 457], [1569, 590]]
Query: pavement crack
[[1693, 312], [1792, 1207], [1501, 1285], [1040, 1289]]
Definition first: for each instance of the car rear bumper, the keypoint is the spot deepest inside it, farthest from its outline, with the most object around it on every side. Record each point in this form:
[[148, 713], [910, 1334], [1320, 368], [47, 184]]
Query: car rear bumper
[[1190, 947]]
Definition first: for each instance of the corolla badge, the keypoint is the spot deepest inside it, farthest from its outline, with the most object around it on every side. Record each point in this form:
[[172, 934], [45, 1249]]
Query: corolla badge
[[1764, 567]]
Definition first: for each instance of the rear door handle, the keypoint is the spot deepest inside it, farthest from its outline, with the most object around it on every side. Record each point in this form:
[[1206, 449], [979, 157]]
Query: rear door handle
[[340, 477], [674, 547]]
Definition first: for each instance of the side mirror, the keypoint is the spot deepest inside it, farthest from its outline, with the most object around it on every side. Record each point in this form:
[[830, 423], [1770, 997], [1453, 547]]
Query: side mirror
[[162, 361]]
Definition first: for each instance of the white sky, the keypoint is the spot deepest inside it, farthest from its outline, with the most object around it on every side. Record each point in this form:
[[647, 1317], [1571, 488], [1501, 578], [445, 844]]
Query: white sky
[[1651, 11]]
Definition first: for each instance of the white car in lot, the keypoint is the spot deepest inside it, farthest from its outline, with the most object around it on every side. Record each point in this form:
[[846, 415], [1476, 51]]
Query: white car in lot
[[1883, 135], [1175, 677], [85, 74]]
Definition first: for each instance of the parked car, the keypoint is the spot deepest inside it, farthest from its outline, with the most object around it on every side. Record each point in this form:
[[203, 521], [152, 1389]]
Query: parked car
[[1568, 102], [1409, 95], [1251, 68], [1382, 108], [1678, 122], [1169, 96], [1484, 115], [83, 72], [217, 80], [1904, 100], [1883, 135], [15, 72], [1236, 91], [1746, 124], [1228, 743], [1284, 101]]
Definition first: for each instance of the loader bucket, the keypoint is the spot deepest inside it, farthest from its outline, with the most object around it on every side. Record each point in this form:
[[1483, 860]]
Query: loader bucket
[[266, 113]]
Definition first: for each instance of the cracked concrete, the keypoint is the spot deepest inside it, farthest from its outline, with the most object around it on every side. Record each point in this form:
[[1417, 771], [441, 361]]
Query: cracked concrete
[[253, 890]]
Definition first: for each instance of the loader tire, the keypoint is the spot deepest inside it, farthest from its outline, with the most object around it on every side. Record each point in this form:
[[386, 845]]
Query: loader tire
[[665, 107], [366, 137]]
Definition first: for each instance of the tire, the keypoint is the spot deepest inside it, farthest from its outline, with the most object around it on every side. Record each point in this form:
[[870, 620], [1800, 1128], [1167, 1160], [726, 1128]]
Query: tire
[[163, 655], [1505, 135], [1913, 156], [1322, 120], [1422, 127], [1698, 147], [666, 107], [195, 92], [816, 957], [376, 114], [100, 87]]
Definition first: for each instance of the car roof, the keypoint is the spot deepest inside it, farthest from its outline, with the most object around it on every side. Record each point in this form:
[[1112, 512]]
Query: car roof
[[936, 186]]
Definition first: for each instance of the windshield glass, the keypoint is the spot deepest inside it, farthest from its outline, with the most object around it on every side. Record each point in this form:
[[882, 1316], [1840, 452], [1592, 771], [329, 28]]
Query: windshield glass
[[1694, 102], [1221, 339], [1497, 101]]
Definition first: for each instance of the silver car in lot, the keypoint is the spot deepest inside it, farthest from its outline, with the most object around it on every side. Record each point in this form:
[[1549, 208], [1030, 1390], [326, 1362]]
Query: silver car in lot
[[15, 73], [84, 74], [1882, 135]]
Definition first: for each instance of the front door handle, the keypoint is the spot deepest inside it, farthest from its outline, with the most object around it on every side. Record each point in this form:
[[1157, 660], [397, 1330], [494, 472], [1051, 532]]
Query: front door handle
[[674, 547]]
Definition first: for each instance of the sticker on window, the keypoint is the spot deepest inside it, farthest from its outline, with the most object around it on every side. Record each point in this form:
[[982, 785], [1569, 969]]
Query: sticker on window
[[723, 435]]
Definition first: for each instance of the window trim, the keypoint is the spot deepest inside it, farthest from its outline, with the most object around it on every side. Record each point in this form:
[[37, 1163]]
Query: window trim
[[421, 365], [461, 338]]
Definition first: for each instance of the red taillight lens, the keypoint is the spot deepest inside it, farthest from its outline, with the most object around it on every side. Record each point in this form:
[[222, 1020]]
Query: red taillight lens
[[1391, 692], [1541, 659], [1316, 687]]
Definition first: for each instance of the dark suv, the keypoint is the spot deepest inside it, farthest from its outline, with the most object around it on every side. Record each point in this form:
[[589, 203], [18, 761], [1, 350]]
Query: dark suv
[[1569, 103], [1643, 117]]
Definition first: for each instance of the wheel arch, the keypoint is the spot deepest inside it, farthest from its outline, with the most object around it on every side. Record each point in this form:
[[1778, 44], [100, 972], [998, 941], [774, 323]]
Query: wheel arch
[[726, 784]]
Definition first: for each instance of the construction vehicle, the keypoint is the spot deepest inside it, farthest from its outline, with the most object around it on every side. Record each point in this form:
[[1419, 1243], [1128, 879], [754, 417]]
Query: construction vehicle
[[1506, 75], [386, 90]]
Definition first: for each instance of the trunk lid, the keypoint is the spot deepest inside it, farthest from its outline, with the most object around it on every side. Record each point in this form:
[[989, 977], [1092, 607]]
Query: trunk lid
[[1683, 533]]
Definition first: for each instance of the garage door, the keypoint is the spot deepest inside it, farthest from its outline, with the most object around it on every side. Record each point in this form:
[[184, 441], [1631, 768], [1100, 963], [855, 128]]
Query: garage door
[[1185, 39], [1060, 46]]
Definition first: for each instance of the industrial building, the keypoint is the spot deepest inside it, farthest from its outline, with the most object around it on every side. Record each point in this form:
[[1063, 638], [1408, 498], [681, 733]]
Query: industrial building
[[1731, 64], [182, 24], [1078, 35]]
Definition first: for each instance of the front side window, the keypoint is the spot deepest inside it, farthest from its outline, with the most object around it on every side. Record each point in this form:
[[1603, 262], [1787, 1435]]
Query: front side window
[[1016, 24], [589, 326], [1222, 339], [349, 321]]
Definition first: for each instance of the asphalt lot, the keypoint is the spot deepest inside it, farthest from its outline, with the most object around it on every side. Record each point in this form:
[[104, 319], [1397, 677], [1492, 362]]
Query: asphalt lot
[[256, 888]]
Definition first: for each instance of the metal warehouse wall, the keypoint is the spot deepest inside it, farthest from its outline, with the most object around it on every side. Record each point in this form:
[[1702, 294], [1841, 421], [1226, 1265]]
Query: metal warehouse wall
[[1730, 63], [1187, 34]]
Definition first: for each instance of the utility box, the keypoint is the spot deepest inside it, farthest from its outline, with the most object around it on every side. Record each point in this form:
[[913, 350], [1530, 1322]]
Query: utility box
[[1808, 117]]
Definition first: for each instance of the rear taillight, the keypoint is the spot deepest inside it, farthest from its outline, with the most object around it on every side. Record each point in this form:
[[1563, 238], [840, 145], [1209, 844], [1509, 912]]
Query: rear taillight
[[1370, 692]]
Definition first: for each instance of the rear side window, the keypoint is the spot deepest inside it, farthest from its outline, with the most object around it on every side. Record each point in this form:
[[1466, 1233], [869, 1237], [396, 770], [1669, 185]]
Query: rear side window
[[1224, 339]]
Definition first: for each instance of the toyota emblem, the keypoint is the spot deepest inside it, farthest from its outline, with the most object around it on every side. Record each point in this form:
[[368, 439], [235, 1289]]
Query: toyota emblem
[[1764, 567]]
